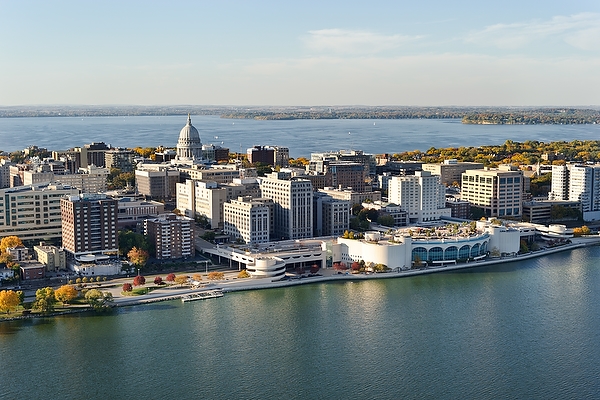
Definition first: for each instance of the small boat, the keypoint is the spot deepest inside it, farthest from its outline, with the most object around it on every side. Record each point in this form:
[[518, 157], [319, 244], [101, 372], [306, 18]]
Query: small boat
[[209, 294]]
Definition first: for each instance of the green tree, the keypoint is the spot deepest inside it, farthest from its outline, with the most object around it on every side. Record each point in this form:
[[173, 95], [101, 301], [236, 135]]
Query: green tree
[[97, 300], [386, 220], [128, 240], [44, 300]]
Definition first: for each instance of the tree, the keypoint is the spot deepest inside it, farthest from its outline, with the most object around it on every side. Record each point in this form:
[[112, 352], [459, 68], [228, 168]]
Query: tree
[[128, 240], [93, 297], [44, 300], [216, 276], [138, 257], [9, 241], [243, 274], [209, 236], [139, 280], [9, 300], [386, 220], [314, 269], [158, 281], [355, 266], [197, 277], [181, 279], [7, 259], [66, 293], [97, 299], [170, 277], [127, 287]]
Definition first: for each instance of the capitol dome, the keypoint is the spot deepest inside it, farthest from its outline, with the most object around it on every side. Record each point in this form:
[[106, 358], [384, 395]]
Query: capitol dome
[[189, 146]]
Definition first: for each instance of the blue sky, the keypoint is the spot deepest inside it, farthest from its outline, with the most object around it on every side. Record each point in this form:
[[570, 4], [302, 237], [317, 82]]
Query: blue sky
[[510, 53]]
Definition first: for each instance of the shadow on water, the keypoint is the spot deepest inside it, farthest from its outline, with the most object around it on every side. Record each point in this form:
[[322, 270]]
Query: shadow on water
[[146, 307]]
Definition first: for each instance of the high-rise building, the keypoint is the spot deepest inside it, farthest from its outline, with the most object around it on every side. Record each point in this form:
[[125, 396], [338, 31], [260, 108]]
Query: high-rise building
[[346, 175], [189, 146], [499, 192], [559, 189], [89, 224], [421, 195], [5, 173], [120, 158], [172, 235], [93, 154], [156, 181], [331, 217], [32, 212], [292, 210], [584, 186], [247, 219]]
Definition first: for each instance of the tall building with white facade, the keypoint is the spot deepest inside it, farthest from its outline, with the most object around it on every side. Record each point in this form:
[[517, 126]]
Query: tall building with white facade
[[331, 217], [559, 189], [421, 195], [499, 192], [584, 186], [293, 207], [89, 224], [32, 212], [189, 146], [247, 219]]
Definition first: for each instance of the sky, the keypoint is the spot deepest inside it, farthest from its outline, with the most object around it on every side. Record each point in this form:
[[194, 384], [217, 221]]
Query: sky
[[300, 53]]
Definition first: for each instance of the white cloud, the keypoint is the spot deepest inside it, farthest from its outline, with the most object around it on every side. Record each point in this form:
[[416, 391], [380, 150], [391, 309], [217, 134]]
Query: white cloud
[[580, 30], [340, 41]]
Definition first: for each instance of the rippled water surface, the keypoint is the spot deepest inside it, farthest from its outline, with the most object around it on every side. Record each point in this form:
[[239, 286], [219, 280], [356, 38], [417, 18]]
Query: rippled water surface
[[514, 331]]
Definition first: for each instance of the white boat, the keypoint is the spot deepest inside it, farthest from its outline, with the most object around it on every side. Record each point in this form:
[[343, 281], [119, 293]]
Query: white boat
[[208, 294]]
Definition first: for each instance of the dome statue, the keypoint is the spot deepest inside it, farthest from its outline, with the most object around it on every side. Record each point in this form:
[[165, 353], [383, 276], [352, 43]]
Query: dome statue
[[189, 146]]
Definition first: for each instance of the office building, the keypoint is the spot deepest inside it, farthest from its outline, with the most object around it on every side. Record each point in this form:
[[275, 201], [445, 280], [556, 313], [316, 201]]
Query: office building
[[498, 192], [89, 224], [421, 195], [450, 171], [32, 212], [247, 220], [292, 209]]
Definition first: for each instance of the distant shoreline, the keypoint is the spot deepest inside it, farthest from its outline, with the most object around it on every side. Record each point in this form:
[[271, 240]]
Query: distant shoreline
[[467, 115]]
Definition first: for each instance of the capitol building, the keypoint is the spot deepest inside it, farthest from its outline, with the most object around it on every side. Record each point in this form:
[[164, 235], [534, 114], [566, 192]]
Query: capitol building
[[189, 146]]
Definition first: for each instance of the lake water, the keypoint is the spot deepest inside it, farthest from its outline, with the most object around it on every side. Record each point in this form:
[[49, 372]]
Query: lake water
[[528, 330], [301, 136], [513, 331]]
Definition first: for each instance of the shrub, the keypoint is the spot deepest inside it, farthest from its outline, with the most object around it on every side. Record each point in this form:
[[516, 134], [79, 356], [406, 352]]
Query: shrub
[[158, 280], [171, 277], [139, 280], [127, 287]]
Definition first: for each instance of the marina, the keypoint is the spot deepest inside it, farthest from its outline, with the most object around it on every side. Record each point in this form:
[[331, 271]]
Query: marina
[[209, 294]]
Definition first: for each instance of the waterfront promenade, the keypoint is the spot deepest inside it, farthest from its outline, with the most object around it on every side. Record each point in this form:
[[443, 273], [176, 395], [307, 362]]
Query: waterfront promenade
[[232, 284]]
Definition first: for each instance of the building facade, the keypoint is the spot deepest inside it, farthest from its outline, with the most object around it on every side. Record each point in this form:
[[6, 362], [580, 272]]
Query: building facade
[[172, 235], [292, 210], [421, 195], [247, 220], [32, 212], [450, 171], [498, 192], [89, 224]]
